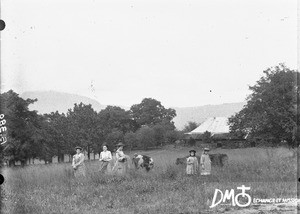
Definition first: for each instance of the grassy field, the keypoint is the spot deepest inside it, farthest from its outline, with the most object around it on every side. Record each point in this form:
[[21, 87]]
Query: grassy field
[[271, 173]]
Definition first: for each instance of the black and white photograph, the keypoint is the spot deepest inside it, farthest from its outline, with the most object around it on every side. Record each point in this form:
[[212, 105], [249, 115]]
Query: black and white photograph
[[149, 106]]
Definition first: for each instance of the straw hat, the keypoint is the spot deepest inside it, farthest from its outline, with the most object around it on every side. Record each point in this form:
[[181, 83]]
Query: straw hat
[[120, 144], [192, 151], [206, 149], [78, 147]]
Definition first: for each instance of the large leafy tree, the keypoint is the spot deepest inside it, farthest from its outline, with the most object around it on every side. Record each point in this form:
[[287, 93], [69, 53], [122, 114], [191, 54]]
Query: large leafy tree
[[207, 137], [151, 115], [55, 136], [114, 123], [146, 137], [114, 117], [159, 134], [151, 112], [190, 126], [172, 135], [113, 138], [83, 127], [22, 125], [271, 109], [131, 140]]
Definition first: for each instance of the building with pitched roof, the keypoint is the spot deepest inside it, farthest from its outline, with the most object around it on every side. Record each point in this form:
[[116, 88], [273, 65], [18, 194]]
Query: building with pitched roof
[[217, 126]]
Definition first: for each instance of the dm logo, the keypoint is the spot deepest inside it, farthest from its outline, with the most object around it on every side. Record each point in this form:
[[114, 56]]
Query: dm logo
[[230, 195]]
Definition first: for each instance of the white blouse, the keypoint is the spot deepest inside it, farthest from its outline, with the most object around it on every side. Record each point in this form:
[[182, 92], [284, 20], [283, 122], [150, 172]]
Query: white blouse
[[105, 156]]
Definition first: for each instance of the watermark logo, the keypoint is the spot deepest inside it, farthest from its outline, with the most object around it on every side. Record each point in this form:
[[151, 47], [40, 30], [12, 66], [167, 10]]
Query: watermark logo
[[275, 200], [231, 195], [3, 129]]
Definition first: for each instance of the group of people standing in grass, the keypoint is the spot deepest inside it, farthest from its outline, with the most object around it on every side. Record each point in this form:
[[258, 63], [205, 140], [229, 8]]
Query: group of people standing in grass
[[120, 162], [192, 163]]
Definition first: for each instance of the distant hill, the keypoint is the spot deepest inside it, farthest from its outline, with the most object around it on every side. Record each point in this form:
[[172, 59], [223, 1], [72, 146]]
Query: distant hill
[[51, 101], [199, 114]]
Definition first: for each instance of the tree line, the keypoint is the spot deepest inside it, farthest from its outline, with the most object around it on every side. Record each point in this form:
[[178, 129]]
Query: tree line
[[271, 113], [32, 135]]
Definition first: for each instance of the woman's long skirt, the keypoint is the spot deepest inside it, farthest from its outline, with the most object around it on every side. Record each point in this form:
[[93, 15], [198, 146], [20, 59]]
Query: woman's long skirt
[[80, 171], [103, 166], [120, 168]]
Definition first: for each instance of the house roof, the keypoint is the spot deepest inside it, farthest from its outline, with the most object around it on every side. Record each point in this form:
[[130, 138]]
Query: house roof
[[214, 125]]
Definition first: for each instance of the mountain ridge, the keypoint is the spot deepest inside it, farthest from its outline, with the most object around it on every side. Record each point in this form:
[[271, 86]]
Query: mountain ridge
[[51, 101]]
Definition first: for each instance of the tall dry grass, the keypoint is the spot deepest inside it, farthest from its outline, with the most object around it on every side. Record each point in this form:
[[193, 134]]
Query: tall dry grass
[[165, 189]]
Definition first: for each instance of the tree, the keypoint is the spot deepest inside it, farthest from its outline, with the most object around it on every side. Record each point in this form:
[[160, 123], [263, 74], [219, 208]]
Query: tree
[[83, 129], [190, 126], [151, 112], [192, 142], [114, 137], [271, 109], [116, 118], [159, 134], [131, 140], [56, 136], [21, 127], [146, 137], [172, 135], [207, 137]]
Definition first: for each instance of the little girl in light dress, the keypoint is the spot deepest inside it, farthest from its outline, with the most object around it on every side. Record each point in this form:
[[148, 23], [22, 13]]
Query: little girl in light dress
[[192, 163], [205, 162]]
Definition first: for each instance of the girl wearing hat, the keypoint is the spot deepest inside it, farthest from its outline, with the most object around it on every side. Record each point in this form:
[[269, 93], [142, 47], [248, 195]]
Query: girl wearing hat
[[105, 158], [192, 163], [205, 162], [78, 162], [120, 166]]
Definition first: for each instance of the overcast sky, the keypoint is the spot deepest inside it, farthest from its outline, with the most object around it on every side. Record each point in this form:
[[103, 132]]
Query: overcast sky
[[180, 52]]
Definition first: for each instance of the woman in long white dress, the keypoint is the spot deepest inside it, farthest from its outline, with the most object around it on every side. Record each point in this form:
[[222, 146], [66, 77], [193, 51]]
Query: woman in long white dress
[[121, 164], [205, 162], [78, 163]]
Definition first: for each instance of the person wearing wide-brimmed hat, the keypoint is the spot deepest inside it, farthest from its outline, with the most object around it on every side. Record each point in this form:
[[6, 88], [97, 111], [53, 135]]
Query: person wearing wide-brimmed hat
[[192, 163], [105, 158], [120, 166], [78, 162], [205, 162]]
